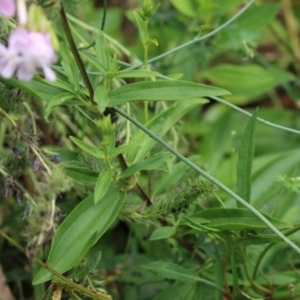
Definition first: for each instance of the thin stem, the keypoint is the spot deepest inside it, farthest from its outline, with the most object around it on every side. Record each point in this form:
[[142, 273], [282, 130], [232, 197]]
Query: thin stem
[[258, 288], [34, 131], [212, 179], [249, 114], [104, 15], [198, 38], [95, 30], [76, 55], [263, 253], [137, 187], [78, 287]]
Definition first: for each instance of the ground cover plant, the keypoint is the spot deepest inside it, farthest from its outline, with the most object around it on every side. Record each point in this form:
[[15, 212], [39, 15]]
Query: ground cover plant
[[149, 150]]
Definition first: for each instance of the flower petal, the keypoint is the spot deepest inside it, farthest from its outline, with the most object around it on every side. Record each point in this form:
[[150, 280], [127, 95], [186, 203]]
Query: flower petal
[[7, 8]]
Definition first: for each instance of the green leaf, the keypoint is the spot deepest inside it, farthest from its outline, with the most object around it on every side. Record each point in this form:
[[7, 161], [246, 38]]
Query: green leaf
[[36, 87], [186, 7], [136, 74], [142, 27], [172, 271], [82, 228], [81, 272], [244, 164], [159, 125], [102, 184], [57, 101], [265, 171], [253, 80], [102, 50], [151, 163], [87, 148], [101, 97], [218, 273], [236, 219], [94, 61], [162, 90], [257, 17], [162, 233], [61, 84], [70, 67], [82, 175], [121, 149]]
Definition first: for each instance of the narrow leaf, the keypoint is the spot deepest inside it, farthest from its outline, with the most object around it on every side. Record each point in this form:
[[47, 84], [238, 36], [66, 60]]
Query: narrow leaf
[[141, 26], [162, 233], [244, 164], [172, 271], [121, 149], [36, 87], [82, 175], [151, 163], [70, 67], [102, 50], [159, 125], [60, 99], [235, 219], [162, 90], [101, 97], [80, 230], [94, 61], [102, 184], [136, 74], [88, 148]]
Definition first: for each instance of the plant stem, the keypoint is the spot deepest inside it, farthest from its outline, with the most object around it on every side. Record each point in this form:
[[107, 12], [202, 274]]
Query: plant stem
[[263, 253], [198, 38], [250, 115], [72, 284], [137, 187], [76, 55], [258, 288], [212, 179]]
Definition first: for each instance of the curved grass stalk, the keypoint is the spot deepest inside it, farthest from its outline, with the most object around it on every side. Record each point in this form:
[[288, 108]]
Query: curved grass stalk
[[212, 179], [249, 114], [198, 38]]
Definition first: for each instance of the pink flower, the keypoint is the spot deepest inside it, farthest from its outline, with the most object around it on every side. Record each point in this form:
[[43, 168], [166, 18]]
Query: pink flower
[[7, 8], [26, 52]]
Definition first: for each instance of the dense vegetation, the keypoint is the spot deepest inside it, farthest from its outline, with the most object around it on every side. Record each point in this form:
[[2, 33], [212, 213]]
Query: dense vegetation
[[163, 162]]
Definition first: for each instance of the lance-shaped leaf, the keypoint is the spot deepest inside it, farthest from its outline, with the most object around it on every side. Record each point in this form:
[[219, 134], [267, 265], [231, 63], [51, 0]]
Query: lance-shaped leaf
[[101, 97], [102, 184], [102, 50], [162, 233], [82, 175], [162, 90], [244, 165], [70, 67], [60, 99], [80, 231], [88, 148], [159, 125], [235, 219], [151, 163], [172, 271]]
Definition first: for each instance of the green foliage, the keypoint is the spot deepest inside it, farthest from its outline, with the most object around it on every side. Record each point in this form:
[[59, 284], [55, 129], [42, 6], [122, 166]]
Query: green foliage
[[141, 202]]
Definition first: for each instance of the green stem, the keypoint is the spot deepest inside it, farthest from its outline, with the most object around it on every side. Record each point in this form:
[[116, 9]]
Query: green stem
[[212, 179], [263, 253], [76, 55], [198, 38], [250, 115], [71, 283], [104, 15], [258, 288], [95, 30]]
